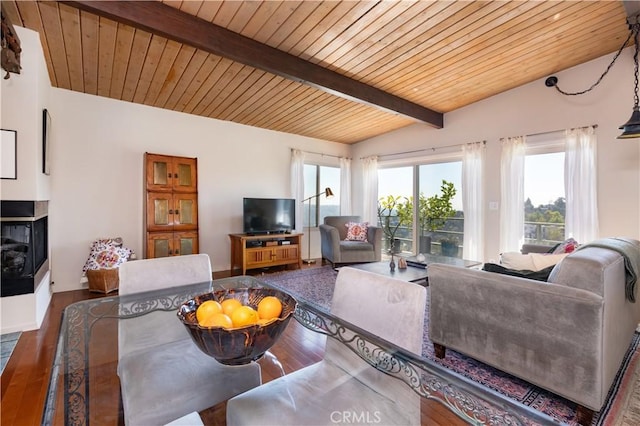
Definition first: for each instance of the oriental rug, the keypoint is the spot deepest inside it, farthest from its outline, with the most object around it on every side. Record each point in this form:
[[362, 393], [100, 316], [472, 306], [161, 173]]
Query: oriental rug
[[316, 285]]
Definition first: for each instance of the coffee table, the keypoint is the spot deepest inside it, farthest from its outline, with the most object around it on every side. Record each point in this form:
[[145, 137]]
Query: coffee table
[[416, 271]]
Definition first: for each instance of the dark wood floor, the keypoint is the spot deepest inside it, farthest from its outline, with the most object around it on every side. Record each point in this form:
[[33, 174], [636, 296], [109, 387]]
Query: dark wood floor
[[25, 379]]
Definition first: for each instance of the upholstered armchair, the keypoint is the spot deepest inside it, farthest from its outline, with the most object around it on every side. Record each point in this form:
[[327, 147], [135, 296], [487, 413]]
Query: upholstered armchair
[[337, 249]]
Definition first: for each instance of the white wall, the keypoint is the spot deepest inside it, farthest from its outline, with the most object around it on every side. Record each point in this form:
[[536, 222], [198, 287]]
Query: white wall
[[24, 96], [97, 174], [531, 109]]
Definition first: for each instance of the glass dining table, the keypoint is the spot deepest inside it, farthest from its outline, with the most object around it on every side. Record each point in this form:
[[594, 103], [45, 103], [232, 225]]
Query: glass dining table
[[84, 386]]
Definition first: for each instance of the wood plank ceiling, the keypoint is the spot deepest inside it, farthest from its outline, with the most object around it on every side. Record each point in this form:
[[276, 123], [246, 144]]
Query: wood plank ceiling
[[441, 55]]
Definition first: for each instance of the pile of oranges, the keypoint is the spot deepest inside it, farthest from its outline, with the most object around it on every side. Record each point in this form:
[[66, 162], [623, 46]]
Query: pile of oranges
[[231, 313]]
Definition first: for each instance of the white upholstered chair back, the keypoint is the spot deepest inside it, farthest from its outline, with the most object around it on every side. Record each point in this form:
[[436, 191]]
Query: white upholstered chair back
[[388, 308], [164, 376], [163, 272], [342, 381], [138, 276]]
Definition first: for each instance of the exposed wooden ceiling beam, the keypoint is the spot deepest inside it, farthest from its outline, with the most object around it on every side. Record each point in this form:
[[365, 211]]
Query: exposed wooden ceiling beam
[[160, 19]]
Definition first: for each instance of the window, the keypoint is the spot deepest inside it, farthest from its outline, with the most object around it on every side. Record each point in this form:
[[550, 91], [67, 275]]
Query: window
[[395, 189], [399, 186], [440, 228], [316, 179], [544, 205]]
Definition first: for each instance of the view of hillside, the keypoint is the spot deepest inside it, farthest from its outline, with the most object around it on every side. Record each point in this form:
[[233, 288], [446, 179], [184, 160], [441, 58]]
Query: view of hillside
[[544, 223]]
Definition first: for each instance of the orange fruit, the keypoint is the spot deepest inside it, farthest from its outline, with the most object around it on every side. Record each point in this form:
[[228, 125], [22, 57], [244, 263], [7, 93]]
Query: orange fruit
[[207, 309], [270, 307], [217, 320], [230, 305], [243, 316]]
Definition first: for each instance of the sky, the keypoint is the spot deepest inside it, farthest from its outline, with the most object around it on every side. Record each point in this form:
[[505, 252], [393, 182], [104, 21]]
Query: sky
[[543, 179]]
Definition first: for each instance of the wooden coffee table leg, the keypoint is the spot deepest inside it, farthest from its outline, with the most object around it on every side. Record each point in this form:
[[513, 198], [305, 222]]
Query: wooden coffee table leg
[[439, 350]]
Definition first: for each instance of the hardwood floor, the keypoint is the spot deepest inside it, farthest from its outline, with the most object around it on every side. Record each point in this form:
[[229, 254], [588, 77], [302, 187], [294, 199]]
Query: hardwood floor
[[25, 379]]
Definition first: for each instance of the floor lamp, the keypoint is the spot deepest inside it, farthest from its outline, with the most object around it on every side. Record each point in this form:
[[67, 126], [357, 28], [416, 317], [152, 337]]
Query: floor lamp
[[329, 194]]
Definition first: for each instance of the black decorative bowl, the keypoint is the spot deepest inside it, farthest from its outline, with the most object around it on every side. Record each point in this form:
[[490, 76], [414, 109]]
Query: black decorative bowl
[[236, 346]]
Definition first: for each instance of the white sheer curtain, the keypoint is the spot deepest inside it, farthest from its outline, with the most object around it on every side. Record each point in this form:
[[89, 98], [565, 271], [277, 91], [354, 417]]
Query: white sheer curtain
[[297, 184], [370, 189], [473, 200], [512, 194], [345, 186], [580, 180]]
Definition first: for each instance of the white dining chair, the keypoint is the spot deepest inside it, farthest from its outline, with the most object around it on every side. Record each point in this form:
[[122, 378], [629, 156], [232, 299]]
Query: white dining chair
[[164, 376], [342, 387]]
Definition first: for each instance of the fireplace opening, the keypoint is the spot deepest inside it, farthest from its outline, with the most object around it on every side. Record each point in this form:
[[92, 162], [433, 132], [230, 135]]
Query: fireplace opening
[[24, 246]]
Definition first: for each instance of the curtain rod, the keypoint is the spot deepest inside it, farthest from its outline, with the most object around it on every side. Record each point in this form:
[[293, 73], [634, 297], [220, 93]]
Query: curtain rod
[[423, 150], [321, 153], [595, 126]]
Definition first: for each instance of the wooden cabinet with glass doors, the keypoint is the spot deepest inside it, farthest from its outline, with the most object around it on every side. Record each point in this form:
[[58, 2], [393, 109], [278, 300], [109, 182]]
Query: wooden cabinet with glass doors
[[171, 205]]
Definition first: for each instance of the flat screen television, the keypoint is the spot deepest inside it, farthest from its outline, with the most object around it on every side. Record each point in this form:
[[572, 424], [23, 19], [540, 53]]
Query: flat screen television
[[268, 215]]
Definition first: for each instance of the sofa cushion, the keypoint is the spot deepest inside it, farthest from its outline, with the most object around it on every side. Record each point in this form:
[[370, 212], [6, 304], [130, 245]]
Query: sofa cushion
[[530, 261], [357, 231], [541, 275], [355, 246]]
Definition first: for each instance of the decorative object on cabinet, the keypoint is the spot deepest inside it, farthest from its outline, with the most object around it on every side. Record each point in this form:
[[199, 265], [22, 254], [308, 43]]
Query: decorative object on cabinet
[[171, 205], [8, 168]]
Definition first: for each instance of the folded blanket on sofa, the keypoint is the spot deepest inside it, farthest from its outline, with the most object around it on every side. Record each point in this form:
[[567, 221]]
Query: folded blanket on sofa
[[630, 251]]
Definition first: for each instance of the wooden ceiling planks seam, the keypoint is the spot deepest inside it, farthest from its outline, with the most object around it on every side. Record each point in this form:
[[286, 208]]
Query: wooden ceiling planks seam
[[497, 75], [51, 25], [449, 67], [378, 42], [474, 65], [90, 25], [450, 45], [162, 71], [70, 30]]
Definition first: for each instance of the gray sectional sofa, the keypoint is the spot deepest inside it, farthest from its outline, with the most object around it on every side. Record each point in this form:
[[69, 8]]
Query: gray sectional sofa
[[567, 335]]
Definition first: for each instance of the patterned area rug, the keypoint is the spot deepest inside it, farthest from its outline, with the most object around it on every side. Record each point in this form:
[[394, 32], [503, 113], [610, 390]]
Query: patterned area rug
[[316, 286]]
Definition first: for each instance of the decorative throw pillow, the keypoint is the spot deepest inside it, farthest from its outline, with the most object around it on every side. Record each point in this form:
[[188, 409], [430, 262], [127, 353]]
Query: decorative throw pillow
[[530, 261], [517, 261], [107, 253], [357, 231], [542, 261], [567, 246]]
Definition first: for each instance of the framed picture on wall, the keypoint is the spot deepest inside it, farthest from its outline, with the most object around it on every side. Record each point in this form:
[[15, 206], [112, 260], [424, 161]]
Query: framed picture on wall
[[8, 154], [46, 141]]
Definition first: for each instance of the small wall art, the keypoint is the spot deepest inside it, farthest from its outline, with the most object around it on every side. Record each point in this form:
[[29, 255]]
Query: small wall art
[[46, 141], [8, 154]]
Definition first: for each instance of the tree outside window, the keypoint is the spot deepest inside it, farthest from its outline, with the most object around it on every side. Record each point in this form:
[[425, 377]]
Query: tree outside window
[[438, 190], [544, 206]]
